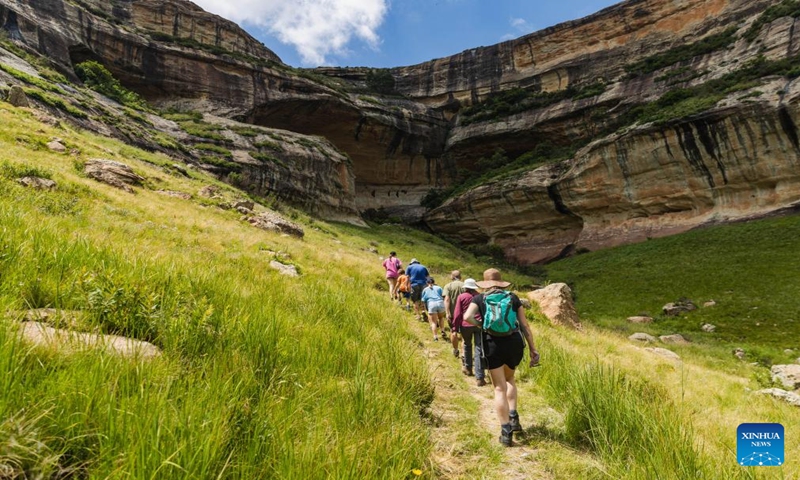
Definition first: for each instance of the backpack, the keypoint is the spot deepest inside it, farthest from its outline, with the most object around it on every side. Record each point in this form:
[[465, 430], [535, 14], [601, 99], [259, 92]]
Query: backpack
[[500, 318]]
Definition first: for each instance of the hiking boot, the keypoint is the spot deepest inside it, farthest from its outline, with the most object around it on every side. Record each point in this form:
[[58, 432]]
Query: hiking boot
[[455, 352], [465, 370], [480, 382], [514, 422], [506, 435], [435, 339]]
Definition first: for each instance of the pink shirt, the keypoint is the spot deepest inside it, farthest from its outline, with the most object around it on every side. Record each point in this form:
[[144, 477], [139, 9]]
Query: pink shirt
[[462, 304], [392, 264]]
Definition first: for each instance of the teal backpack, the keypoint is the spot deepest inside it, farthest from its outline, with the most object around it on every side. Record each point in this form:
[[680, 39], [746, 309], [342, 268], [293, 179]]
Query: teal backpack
[[500, 319]]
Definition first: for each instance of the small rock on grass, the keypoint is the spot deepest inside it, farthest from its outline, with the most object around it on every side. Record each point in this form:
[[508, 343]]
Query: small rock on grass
[[676, 339], [37, 183], [640, 319], [708, 328], [288, 270], [789, 397], [787, 375], [642, 337], [664, 353]]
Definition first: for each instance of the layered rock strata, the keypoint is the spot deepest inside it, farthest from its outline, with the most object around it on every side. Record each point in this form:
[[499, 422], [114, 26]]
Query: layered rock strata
[[735, 162]]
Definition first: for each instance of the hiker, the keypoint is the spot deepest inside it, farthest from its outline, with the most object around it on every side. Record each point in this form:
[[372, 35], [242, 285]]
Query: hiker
[[434, 302], [417, 276], [391, 265], [469, 333], [403, 289], [451, 292], [504, 325]]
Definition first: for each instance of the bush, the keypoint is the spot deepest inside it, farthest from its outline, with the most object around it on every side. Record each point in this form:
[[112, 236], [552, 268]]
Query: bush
[[210, 147], [98, 78], [381, 81]]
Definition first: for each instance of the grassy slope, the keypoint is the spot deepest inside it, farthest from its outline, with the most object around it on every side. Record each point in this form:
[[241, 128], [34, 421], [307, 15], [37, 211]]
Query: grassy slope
[[265, 376], [751, 270], [262, 376]]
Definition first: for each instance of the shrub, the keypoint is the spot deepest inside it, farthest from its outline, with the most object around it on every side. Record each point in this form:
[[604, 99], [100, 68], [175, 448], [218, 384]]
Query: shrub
[[219, 162], [267, 158], [98, 78], [381, 81], [270, 145]]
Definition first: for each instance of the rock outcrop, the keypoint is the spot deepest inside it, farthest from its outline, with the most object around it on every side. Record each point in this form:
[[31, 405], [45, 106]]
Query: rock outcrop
[[556, 303], [67, 341], [632, 177]]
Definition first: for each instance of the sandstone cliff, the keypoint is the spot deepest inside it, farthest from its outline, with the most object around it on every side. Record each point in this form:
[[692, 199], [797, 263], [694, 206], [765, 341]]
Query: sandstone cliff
[[665, 113]]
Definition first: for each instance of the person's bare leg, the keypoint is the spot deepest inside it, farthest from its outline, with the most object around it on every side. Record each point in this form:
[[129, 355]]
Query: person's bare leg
[[454, 339], [433, 319], [500, 394], [511, 388], [392, 286]]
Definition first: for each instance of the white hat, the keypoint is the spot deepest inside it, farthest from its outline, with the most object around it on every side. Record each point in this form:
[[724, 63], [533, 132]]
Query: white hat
[[470, 284], [413, 260]]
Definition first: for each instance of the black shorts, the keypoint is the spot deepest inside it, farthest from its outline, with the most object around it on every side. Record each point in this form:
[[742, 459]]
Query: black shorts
[[416, 292], [501, 351]]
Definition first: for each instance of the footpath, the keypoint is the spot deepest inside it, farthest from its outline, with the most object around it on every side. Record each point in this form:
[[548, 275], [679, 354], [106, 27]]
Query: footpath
[[464, 428]]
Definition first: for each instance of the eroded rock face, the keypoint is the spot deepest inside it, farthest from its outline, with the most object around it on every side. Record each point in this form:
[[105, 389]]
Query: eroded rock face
[[733, 162]]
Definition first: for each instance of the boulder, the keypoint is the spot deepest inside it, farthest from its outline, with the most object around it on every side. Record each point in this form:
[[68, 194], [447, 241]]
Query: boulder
[[555, 301], [273, 222], [676, 339], [708, 328], [643, 337], [209, 191], [787, 375], [244, 204], [67, 341], [57, 146], [174, 194], [112, 173], [664, 353], [640, 319], [739, 353], [526, 304], [288, 270], [37, 183], [681, 306], [789, 397], [17, 97]]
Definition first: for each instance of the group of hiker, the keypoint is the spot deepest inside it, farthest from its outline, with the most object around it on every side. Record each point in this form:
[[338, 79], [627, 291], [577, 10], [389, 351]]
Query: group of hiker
[[484, 314]]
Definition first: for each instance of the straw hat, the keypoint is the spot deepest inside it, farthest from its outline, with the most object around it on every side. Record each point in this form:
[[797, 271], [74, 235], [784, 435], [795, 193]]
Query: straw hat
[[491, 278], [413, 260], [470, 284]]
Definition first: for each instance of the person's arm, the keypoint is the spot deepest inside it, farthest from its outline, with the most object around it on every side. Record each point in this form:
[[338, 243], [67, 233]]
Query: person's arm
[[469, 315], [526, 331], [447, 307]]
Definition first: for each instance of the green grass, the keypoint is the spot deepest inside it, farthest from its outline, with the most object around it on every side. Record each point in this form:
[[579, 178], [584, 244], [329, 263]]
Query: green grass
[[56, 102], [261, 377], [210, 147], [30, 79], [749, 269]]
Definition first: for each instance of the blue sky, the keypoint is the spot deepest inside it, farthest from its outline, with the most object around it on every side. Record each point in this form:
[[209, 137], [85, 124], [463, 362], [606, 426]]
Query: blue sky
[[388, 33]]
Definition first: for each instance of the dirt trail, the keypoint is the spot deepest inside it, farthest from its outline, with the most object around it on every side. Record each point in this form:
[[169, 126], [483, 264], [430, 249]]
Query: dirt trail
[[452, 419]]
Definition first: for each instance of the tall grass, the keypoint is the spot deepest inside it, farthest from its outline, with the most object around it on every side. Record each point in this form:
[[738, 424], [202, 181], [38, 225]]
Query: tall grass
[[261, 376]]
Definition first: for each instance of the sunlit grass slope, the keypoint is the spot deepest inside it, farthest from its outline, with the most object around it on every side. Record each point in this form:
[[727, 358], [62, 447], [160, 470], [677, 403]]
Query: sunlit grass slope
[[262, 376], [751, 270]]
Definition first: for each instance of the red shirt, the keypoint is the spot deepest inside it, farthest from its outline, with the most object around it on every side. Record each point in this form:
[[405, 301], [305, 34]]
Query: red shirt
[[462, 304]]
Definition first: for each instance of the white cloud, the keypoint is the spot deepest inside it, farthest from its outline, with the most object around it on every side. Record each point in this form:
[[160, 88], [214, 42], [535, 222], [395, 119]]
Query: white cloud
[[316, 28], [521, 25]]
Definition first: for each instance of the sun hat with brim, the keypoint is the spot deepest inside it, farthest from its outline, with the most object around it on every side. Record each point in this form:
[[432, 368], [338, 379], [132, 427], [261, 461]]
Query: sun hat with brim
[[413, 260], [470, 284], [491, 278]]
